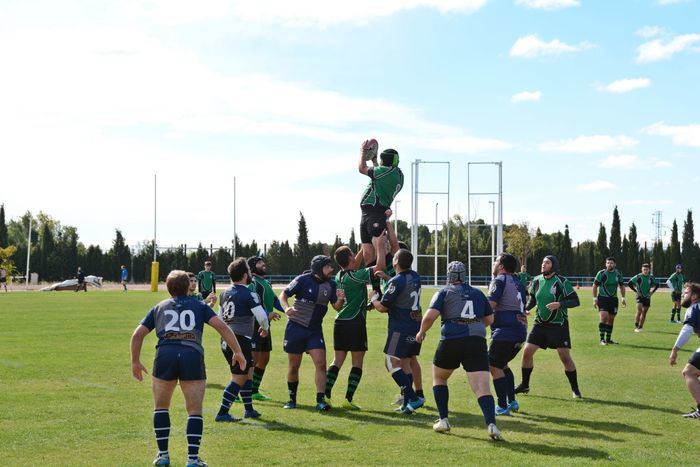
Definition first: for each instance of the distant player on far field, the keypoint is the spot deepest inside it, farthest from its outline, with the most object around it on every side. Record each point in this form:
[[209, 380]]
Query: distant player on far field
[[206, 280], [124, 276], [80, 275], [691, 325], [644, 285], [605, 287], [524, 278], [675, 283], [179, 324], [465, 313], [192, 291], [3, 278], [552, 295]]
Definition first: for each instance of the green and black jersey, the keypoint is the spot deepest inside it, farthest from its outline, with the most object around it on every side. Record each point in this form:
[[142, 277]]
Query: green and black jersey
[[524, 278], [643, 285], [354, 284], [385, 184], [206, 281], [608, 282], [544, 291], [676, 281], [197, 296], [263, 288]]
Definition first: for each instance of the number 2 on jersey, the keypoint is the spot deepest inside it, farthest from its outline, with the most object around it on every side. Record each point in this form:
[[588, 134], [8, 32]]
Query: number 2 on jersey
[[185, 318], [415, 295]]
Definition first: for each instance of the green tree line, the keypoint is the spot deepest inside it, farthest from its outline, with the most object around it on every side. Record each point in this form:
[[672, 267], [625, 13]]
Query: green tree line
[[56, 251]]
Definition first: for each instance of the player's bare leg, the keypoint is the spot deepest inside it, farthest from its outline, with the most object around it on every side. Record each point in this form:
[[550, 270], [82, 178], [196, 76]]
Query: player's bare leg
[[480, 384], [162, 395], [691, 375], [638, 322], [194, 395]]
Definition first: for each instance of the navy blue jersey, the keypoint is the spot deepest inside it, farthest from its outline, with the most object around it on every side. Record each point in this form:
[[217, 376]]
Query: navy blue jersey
[[692, 318], [236, 309], [510, 295], [312, 298], [179, 321], [462, 309], [402, 298]]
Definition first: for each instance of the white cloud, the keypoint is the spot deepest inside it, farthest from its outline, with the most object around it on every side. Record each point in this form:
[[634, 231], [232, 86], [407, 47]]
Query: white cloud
[[645, 202], [548, 4], [631, 162], [660, 49], [671, 2], [526, 96], [682, 135], [625, 85], [532, 46], [647, 32], [598, 185], [299, 13], [589, 144]]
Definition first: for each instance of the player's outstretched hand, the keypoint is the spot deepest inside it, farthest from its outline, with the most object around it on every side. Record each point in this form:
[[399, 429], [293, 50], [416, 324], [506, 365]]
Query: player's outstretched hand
[[263, 333], [239, 358], [381, 275], [624, 302], [137, 370], [274, 316], [595, 303], [388, 213], [673, 357], [340, 293], [210, 300]]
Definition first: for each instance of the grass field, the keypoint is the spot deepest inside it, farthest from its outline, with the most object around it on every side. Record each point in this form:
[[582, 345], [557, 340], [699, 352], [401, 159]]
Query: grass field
[[67, 397]]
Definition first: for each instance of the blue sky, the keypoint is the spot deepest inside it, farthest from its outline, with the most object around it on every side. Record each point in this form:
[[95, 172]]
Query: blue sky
[[588, 104]]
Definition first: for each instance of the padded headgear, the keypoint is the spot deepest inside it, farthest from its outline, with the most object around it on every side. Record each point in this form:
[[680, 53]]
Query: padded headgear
[[555, 262], [318, 263], [252, 261], [389, 158], [456, 272]]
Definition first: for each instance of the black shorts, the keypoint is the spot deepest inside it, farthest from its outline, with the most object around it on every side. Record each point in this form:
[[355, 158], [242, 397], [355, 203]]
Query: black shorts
[[675, 296], [470, 352], [550, 336], [608, 304], [502, 352], [179, 362], [350, 336], [644, 301], [205, 293], [3, 280], [695, 359], [247, 350], [401, 345], [259, 343], [372, 224]]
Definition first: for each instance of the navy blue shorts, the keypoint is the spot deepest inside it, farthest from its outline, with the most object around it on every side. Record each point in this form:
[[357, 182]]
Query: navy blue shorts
[[246, 349], [298, 339], [695, 359], [178, 362], [401, 345]]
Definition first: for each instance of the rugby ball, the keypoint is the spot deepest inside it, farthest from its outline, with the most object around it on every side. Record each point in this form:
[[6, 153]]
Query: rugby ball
[[369, 149]]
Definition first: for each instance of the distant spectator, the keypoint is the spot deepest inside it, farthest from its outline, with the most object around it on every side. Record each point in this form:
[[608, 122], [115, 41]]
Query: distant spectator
[[124, 276], [80, 275]]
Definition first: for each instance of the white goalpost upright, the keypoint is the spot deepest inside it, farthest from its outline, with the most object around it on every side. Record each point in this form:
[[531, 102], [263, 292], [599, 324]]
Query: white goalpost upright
[[496, 222], [415, 195]]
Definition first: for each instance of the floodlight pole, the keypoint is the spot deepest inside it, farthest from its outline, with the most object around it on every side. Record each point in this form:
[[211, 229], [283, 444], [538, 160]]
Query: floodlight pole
[[500, 207], [234, 217], [493, 231], [29, 249], [414, 212], [435, 282]]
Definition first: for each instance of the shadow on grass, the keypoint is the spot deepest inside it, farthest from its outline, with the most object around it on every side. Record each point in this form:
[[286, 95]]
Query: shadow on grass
[[623, 404], [613, 427], [542, 449], [388, 418], [215, 386], [274, 425], [649, 347]]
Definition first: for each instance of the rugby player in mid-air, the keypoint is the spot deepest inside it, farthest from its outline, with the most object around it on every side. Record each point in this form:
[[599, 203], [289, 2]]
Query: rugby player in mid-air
[[675, 283], [552, 295], [401, 301], [644, 285], [386, 181], [605, 287], [313, 291], [240, 308], [350, 328], [179, 324], [507, 297], [262, 346], [691, 325], [465, 313]]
